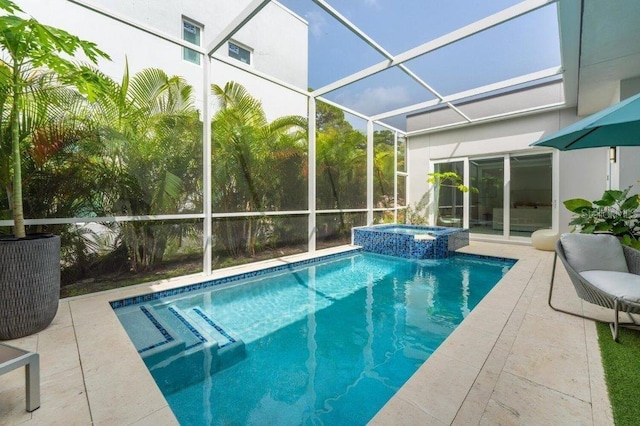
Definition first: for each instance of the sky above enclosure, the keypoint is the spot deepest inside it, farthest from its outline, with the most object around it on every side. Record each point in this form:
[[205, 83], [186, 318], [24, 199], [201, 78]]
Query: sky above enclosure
[[524, 45]]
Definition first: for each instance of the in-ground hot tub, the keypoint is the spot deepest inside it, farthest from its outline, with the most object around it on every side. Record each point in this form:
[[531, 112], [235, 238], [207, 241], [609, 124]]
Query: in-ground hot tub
[[411, 241]]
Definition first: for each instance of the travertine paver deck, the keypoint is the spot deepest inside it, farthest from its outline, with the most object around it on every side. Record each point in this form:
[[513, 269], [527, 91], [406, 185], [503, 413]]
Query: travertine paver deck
[[512, 361]]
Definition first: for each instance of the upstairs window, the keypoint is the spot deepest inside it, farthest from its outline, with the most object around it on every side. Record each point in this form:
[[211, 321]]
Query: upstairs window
[[191, 33], [240, 53]]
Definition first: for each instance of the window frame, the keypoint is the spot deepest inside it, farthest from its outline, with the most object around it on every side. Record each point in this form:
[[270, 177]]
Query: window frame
[[241, 47], [196, 58]]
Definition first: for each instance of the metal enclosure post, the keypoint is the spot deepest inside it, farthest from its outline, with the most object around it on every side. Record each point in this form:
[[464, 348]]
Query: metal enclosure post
[[369, 172], [206, 165], [466, 197], [311, 158], [506, 203], [395, 177]]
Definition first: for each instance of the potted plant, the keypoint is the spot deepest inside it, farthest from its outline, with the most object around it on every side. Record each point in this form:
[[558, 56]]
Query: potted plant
[[32, 57], [616, 213]]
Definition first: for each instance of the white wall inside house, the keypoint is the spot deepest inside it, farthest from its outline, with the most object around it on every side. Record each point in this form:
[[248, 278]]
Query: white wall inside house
[[277, 36]]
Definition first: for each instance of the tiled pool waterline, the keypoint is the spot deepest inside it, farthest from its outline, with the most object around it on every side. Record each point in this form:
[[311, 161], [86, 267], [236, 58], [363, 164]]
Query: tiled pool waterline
[[512, 361]]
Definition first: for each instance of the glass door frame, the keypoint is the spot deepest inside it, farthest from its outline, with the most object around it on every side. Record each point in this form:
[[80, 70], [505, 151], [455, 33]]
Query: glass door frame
[[506, 208], [465, 182]]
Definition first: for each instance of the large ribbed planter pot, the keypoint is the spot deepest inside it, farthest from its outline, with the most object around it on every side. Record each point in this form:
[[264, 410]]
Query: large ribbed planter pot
[[29, 284]]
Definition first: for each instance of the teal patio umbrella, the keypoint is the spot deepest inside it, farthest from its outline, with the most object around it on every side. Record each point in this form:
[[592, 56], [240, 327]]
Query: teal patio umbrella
[[617, 125]]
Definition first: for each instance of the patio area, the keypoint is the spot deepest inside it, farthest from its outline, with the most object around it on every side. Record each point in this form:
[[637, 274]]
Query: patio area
[[512, 361]]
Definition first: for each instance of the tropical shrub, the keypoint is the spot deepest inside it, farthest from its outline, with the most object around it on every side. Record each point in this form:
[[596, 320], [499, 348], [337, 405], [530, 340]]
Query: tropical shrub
[[617, 213], [257, 166], [150, 137], [383, 168], [34, 74]]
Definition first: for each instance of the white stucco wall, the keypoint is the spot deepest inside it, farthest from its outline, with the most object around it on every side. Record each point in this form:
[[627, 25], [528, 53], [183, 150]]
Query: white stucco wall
[[276, 100], [629, 168], [277, 36]]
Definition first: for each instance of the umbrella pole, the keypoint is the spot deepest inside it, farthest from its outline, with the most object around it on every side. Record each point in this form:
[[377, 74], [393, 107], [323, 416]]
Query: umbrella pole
[[612, 160]]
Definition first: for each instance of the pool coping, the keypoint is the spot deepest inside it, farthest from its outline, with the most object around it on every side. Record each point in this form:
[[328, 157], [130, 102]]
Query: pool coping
[[228, 279], [91, 372], [481, 373]]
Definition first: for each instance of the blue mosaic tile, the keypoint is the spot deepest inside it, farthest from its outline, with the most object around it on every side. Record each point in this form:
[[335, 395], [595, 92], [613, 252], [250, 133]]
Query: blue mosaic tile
[[216, 326], [116, 304], [390, 240], [191, 328], [167, 337]]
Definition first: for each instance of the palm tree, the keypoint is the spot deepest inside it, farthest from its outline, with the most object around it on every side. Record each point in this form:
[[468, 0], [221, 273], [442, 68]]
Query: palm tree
[[250, 158], [383, 167], [151, 134], [342, 159]]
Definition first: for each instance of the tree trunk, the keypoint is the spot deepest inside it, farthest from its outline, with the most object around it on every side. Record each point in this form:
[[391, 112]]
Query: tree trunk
[[334, 191], [18, 213]]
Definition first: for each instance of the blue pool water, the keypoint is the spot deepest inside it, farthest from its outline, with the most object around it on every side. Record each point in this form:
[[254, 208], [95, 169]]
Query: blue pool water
[[409, 230], [327, 343]]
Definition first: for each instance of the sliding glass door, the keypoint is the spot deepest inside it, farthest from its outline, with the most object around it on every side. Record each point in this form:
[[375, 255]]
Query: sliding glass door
[[509, 195], [531, 195], [449, 200], [486, 195]]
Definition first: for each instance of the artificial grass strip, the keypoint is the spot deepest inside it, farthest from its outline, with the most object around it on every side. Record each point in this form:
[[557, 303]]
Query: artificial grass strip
[[621, 363]]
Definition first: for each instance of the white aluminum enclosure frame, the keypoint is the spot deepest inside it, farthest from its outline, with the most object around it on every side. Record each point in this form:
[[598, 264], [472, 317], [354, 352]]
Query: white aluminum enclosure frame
[[390, 61]]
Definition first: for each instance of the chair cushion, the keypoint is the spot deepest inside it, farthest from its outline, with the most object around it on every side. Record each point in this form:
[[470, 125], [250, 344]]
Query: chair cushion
[[620, 284], [587, 252]]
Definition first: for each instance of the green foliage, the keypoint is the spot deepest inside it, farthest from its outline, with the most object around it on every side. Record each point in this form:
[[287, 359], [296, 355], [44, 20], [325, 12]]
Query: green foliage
[[383, 168], [616, 213], [257, 166], [9, 6], [78, 143], [622, 372], [149, 136], [341, 168], [93, 146], [451, 180], [417, 214], [35, 59]]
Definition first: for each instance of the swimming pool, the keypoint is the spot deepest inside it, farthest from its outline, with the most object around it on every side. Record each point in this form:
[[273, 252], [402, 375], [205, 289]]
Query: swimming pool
[[322, 343]]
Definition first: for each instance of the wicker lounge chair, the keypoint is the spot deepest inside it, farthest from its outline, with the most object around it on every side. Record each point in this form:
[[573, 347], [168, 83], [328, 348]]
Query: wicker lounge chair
[[603, 272]]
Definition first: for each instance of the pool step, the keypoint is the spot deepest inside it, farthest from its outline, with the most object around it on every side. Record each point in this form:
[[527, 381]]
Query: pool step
[[150, 333], [229, 349], [181, 347]]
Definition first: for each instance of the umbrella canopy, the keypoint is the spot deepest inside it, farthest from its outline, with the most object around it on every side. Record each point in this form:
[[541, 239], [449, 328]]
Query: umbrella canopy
[[618, 125]]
